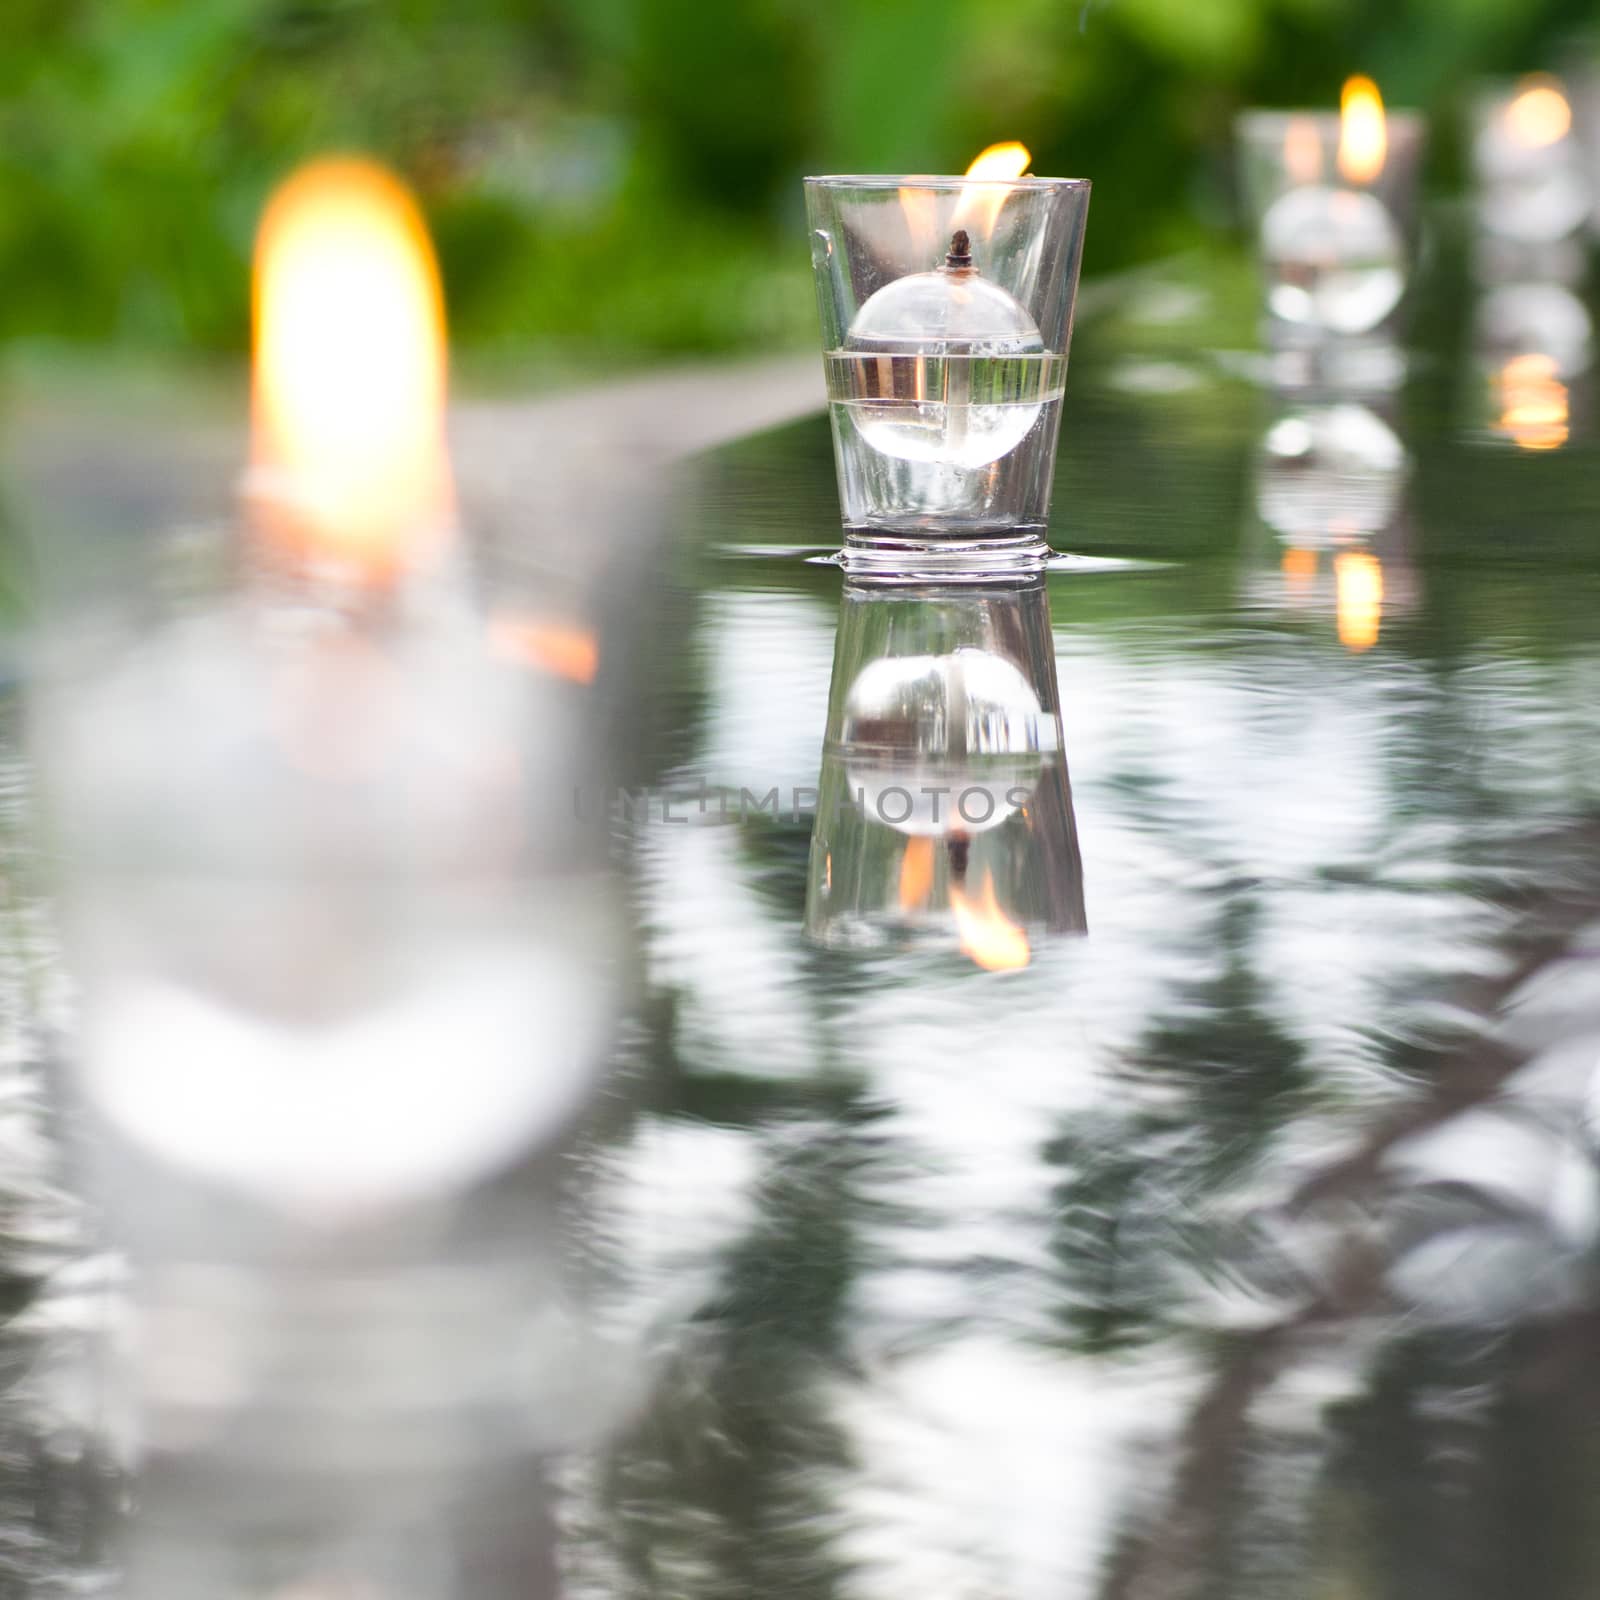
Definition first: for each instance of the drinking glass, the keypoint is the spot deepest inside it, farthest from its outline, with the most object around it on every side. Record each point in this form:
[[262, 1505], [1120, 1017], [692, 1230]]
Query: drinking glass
[[946, 307]]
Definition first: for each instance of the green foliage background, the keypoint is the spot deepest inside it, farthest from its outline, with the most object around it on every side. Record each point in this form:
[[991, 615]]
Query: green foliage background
[[613, 178]]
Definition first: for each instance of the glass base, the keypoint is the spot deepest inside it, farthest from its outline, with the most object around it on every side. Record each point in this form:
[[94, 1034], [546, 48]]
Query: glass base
[[914, 555]]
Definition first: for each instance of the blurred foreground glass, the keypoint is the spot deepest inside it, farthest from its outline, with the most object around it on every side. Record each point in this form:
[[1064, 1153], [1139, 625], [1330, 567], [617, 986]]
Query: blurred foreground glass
[[1331, 198], [345, 950], [344, 963], [944, 815], [946, 307]]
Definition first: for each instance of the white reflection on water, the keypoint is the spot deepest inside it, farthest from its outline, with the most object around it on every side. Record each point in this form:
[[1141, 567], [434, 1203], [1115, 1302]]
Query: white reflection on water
[[765, 723], [989, 1467], [1367, 813], [717, 942]]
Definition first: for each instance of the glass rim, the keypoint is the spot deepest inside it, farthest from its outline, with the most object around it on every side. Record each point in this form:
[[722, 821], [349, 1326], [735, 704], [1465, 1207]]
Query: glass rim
[[925, 180]]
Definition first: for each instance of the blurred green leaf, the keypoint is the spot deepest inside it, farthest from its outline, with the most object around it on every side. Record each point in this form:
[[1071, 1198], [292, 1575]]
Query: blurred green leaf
[[1213, 36], [622, 176]]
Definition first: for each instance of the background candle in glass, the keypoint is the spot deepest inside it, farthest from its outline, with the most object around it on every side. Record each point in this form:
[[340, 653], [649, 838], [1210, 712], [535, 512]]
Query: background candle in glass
[[1332, 200], [1533, 184], [946, 308]]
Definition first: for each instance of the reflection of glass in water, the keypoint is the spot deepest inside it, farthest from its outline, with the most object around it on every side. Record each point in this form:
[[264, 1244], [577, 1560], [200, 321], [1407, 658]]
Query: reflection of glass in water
[[1329, 486], [1535, 412], [1334, 258], [1517, 319], [968, 707], [944, 814], [1327, 471]]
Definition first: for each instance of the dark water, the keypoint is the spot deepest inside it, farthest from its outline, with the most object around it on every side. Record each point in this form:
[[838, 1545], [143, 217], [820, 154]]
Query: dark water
[[1244, 1244]]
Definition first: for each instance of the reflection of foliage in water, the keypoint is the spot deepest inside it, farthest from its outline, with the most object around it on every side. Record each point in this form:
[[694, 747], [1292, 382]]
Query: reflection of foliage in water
[[58, 1486], [1279, 1021], [1140, 1191]]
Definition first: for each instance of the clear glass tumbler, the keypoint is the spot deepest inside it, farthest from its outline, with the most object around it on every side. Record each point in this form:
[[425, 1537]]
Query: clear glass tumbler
[[345, 960], [1335, 220], [1528, 161], [946, 308]]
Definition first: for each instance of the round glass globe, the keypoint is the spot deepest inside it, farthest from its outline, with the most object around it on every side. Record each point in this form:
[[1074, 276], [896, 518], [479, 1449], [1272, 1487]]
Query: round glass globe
[[1334, 258], [948, 326], [941, 744], [1328, 471], [1530, 193]]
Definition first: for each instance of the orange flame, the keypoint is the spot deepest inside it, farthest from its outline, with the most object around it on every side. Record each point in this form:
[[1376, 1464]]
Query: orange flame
[[349, 462], [563, 649], [1363, 131], [1299, 570], [979, 207], [916, 873], [1540, 115], [1302, 151], [1533, 403], [921, 210], [1358, 581], [988, 935]]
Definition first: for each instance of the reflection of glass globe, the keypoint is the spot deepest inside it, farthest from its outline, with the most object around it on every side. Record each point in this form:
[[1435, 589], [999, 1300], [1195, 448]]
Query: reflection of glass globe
[[967, 726], [1544, 318], [1329, 470], [942, 332], [1334, 258]]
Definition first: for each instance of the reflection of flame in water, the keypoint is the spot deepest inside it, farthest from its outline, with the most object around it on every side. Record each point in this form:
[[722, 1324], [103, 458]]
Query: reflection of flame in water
[[349, 458], [988, 935], [1540, 114], [1358, 581], [916, 872], [1302, 151], [1363, 131], [979, 206], [1299, 570], [562, 648], [1533, 402]]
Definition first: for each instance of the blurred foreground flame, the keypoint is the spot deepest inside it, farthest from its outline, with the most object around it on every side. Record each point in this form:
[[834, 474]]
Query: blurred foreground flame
[[1534, 409], [349, 461], [1358, 584], [988, 935], [979, 206], [564, 649], [1363, 131], [1540, 114]]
